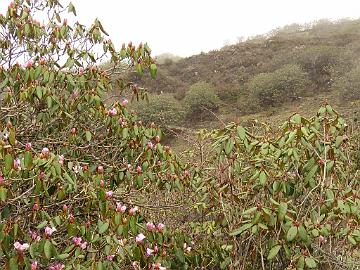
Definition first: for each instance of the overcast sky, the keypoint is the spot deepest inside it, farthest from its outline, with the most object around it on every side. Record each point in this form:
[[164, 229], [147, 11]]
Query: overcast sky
[[186, 27]]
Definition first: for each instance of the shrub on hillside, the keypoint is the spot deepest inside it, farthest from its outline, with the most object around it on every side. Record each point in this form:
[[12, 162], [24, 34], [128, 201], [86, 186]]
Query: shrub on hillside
[[162, 109], [348, 86], [323, 63], [201, 100], [282, 85]]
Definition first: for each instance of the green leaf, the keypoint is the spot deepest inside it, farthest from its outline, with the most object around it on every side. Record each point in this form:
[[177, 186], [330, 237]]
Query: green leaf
[[8, 162], [12, 137], [310, 262], [103, 228], [351, 239], [241, 229], [273, 252], [28, 160], [88, 135], [72, 8], [179, 253], [282, 211], [241, 132], [42, 225], [262, 178], [291, 234], [153, 71], [48, 249], [13, 264], [3, 193]]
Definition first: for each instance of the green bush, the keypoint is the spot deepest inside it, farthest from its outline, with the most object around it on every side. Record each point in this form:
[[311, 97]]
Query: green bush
[[323, 63], [348, 86], [201, 100], [162, 109], [282, 85]]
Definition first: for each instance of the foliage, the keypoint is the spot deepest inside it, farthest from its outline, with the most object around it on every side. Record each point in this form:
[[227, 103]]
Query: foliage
[[201, 100], [348, 86], [74, 170], [288, 199], [163, 109], [275, 88]]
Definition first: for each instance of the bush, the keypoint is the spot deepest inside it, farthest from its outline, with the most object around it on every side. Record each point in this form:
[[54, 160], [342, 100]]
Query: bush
[[201, 100], [282, 85], [162, 109], [323, 63], [348, 86]]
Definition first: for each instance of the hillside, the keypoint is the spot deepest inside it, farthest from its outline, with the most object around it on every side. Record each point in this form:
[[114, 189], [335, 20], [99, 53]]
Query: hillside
[[273, 75]]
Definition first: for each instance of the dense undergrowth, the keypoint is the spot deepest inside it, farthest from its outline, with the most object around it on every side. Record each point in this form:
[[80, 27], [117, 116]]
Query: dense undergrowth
[[85, 184]]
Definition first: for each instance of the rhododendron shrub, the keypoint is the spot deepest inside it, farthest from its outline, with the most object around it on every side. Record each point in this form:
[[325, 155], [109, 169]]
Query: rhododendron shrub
[[284, 198], [72, 166]]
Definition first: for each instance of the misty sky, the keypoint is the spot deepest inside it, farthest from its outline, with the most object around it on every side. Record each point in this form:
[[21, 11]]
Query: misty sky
[[188, 27]]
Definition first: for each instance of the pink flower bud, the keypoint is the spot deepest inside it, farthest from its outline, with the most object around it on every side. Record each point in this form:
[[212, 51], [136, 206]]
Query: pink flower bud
[[34, 265], [160, 227], [133, 211], [28, 146], [112, 112], [109, 194], [2, 181], [138, 169], [83, 245], [110, 257], [35, 207], [157, 138], [150, 226], [77, 241], [149, 252], [140, 238], [100, 169], [49, 231], [29, 64], [120, 208], [124, 102], [150, 145], [21, 247], [45, 152], [42, 175], [156, 249], [73, 130], [102, 183], [17, 164]]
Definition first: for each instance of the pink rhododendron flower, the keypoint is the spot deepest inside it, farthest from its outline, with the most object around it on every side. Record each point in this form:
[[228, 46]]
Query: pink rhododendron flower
[[28, 146], [21, 247], [150, 226], [124, 102], [34, 265], [29, 64], [140, 238], [149, 252], [45, 151], [160, 227], [150, 145], [102, 183], [57, 266], [100, 169], [112, 112], [120, 207], [110, 257], [49, 231], [133, 210], [83, 245], [77, 241], [34, 236], [109, 194], [17, 164]]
